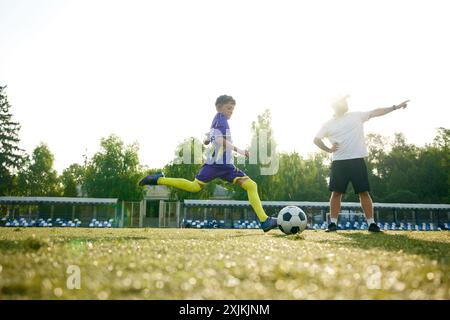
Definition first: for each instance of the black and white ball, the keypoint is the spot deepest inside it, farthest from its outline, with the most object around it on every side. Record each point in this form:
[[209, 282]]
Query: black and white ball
[[291, 220]]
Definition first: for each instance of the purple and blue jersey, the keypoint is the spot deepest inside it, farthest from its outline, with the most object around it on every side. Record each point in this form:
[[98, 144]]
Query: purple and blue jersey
[[218, 154], [219, 162]]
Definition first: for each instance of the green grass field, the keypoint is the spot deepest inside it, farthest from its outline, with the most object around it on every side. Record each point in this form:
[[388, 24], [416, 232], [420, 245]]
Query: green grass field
[[223, 264]]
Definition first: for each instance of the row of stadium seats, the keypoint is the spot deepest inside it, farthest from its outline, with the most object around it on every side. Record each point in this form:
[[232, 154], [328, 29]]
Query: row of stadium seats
[[205, 224], [386, 226], [58, 222], [246, 224], [101, 224], [213, 224]]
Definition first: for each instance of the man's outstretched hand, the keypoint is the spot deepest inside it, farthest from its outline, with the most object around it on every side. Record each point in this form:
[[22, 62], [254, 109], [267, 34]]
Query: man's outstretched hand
[[402, 105]]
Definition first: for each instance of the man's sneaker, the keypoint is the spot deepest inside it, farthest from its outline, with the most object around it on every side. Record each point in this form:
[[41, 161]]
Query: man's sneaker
[[151, 180], [332, 227], [374, 228], [269, 224]]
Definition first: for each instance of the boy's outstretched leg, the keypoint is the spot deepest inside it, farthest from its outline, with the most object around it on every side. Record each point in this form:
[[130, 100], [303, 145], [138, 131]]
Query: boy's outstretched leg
[[267, 223], [183, 184], [151, 180]]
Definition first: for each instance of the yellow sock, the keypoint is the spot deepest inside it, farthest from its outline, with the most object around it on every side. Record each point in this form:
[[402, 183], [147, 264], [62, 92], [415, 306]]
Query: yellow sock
[[252, 192], [183, 184]]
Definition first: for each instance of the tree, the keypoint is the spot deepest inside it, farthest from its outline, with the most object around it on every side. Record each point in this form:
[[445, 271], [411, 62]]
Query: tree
[[11, 156], [401, 196], [114, 171], [433, 177], [288, 178], [72, 180], [263, 163], [407, 173], [399, 168], [314, 186], [38, 177], [377, 147], [442, 140], [301, 179]]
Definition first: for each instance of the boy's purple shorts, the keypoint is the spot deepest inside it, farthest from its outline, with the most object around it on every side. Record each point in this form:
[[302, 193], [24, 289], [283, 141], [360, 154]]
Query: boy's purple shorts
[[226, 172]]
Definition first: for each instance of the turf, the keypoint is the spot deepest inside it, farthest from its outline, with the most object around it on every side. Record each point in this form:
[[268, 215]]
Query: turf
[[223, 264]]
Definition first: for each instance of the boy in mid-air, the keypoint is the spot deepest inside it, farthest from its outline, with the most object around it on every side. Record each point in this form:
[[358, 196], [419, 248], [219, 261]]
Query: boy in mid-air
[[219, 164]]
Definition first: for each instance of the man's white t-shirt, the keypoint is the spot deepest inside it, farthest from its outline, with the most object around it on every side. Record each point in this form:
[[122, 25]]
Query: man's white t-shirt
[[348, 132]]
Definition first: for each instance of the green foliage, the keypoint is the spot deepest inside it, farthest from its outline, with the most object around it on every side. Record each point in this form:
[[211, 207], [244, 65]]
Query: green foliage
[[437, 156], [38, 177], [407, 173], [376, 145], [11, 157], [301, 179], [263, 150], [114, 171], [405, 196], [72, 179]]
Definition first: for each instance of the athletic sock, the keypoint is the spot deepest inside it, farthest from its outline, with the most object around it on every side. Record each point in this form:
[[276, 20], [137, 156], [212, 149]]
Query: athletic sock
[[252, 193], [183, 184], [333, 220], [370, 221]]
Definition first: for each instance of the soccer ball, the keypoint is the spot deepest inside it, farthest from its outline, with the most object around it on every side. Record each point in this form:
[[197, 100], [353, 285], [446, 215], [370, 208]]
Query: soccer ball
[[291, 220]]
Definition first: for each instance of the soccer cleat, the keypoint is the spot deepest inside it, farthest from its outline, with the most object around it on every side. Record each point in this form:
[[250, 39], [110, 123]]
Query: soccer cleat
[[269, 224], [151, 180], [374, 228], [332, 227]]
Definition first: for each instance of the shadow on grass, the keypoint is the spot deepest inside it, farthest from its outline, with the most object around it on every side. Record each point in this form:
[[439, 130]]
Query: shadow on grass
[[244, 235], [96, 239], [32, 244], [434, 250], [293, 237], [21, 245]]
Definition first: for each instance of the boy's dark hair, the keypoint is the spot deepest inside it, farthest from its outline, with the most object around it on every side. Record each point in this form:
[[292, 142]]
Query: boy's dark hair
[[224, 99]]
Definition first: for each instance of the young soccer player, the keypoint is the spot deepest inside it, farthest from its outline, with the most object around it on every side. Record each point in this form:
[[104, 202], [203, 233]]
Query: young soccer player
[[219, 164], [346, 133]]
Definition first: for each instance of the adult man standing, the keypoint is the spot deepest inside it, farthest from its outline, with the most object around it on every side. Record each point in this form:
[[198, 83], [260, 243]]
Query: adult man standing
[[345, 131]]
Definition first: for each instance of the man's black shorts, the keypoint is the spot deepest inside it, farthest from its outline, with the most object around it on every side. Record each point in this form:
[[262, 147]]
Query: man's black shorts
[[351, 170]]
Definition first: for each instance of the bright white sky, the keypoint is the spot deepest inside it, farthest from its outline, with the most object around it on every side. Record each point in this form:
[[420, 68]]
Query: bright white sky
[[150, 71]]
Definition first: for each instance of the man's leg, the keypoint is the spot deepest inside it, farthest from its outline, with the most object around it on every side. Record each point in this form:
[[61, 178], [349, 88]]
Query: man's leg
[[335, 208], [335, 205], [367, 205], [339, 179], [360, 181]]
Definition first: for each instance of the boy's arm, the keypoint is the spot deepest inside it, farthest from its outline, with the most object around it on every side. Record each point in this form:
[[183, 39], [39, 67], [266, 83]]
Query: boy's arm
[[318, 142], [228, 145], [382, 111]]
